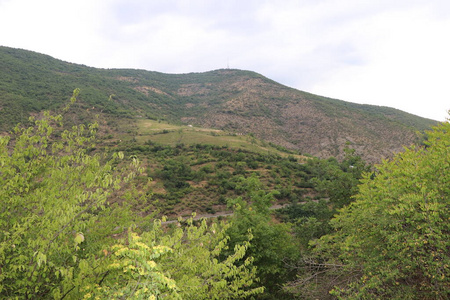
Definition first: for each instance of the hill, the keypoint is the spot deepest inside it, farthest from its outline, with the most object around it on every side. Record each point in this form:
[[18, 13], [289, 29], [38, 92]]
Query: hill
[[237, 101]]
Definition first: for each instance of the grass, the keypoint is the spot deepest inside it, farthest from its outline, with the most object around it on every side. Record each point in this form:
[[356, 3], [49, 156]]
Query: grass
[[170, 134]]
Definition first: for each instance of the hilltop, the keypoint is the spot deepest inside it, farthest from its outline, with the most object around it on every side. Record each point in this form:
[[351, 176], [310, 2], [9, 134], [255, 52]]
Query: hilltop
[[241, 102]]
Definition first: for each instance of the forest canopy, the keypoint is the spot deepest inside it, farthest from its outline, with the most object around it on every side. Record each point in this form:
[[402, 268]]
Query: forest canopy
[[71, 228], [393, 241], [61, 237]]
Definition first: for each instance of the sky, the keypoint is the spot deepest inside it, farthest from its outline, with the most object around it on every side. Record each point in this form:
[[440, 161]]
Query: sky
[[392, 53]]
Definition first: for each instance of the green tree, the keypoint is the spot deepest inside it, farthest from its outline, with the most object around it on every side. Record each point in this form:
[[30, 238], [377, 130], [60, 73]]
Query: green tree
[[393, 242], [54, 195], [338, 180], [126, 270], [272, 246], [60, 232], [183, 263], [197, 263]]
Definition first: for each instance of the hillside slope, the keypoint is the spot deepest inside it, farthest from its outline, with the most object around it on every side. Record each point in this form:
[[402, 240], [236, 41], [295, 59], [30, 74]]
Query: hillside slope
[[233, 100]]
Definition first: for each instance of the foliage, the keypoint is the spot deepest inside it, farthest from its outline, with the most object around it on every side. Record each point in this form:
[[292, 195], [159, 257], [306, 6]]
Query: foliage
[[175, 174], [53, 196], [338, 180], [183, 263], [311, 220], [240, 101], [272, 245], [197, 177], [127, 271], [61, 231], [396, 235], [198, 266]]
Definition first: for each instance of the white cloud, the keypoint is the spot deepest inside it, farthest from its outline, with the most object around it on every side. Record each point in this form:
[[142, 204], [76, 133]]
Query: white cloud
[[67, 30], [406, 65]]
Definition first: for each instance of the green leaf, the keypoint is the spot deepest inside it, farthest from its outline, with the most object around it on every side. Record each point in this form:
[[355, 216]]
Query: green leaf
[[79, 238]]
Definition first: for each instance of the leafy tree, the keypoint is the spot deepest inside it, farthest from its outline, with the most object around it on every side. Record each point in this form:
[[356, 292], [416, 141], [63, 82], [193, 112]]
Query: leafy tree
[[311, 220], [197, 263], [126, 271], [393, 242], [272, 246], [54, 195], [60, 232], [55, 215], [338, 180]]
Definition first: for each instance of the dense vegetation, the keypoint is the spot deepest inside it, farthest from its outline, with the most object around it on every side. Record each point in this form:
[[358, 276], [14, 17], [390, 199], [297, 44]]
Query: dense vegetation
[[79, 220], [395, 235], [392, 241], [62, 237], [69, 227], [84, 199], [233, 100]]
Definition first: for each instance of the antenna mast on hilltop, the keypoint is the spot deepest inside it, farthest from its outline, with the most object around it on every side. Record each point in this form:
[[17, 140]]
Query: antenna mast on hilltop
[[228, 63]]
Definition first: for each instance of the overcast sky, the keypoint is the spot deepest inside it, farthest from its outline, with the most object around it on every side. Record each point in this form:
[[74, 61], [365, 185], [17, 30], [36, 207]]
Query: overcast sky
[[384, 52]]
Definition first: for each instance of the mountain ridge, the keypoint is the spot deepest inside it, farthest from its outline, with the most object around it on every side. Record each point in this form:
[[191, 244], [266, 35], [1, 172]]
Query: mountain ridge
[[229, 99]]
